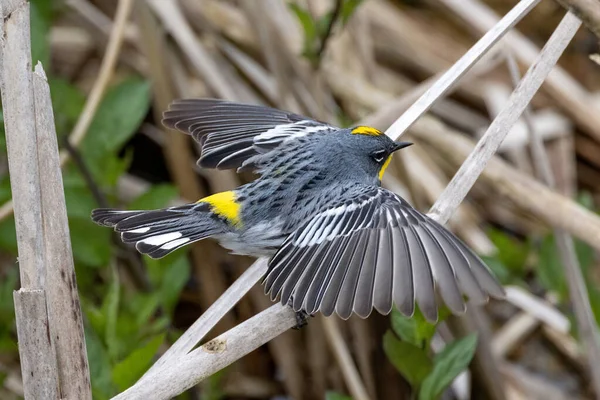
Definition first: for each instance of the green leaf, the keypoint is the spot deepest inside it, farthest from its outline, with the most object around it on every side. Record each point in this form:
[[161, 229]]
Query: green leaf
[[100, 368], [447, 365], [128, 371], [511, 252], [144, 306], [336, 396], [110, 310], [169, 275], [157, 196], [80, 202], [91, 243], [67, 101], [348, 8], [311, 28], [410, 360], [174, 279], [550, 270], [499, 269], [8, 235], [307, 22], [416, 330], [212, 389], [120, 113]]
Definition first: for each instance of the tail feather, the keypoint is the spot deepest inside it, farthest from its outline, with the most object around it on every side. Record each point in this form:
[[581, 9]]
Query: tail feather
[[160, 232]]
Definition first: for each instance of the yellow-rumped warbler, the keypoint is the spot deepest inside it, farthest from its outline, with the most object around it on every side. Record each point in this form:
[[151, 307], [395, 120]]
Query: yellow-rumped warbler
[[337, 240]]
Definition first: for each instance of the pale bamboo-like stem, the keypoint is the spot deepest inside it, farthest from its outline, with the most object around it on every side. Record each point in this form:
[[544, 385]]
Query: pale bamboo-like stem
[[62, 298], [36, 349], [19, 120], [578, 293], [472, 167], [107, 69], [49, 323]]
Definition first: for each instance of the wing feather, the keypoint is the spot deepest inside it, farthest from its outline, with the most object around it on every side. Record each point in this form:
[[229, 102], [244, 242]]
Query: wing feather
[[230, 133], [373, 250], [384, 273]]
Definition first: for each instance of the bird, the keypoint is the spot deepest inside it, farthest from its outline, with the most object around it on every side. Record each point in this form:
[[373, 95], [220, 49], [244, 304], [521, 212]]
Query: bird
[[336, 240]]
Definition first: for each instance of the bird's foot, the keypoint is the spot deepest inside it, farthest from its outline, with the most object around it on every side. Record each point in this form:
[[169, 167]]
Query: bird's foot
[[301, 316], [301, 319]]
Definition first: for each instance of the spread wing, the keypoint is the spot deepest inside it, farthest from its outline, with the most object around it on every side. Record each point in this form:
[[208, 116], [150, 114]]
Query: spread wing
[[375, 250], [230, 133]]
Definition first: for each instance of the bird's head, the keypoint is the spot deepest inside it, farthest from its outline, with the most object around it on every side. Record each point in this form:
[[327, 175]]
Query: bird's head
[[372, 149]]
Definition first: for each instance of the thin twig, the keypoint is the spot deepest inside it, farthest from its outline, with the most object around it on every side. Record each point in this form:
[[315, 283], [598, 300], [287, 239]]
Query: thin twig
[[106, 72], [86, 174]]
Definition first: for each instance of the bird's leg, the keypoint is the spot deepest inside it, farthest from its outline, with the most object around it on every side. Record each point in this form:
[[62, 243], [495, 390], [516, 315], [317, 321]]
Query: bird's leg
[[301, 316], [301, 319]]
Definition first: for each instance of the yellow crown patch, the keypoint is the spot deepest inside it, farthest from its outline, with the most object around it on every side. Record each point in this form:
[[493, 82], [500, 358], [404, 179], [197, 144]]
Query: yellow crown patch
[[366, 130]]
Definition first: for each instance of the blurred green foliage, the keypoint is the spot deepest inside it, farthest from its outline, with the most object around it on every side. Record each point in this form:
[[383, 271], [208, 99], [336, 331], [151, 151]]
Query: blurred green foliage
[[318, 29], [124, 325], [408, 347]]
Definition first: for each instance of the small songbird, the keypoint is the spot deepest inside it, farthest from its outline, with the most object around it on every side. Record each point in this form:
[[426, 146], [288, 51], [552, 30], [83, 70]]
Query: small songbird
[[337, 241]]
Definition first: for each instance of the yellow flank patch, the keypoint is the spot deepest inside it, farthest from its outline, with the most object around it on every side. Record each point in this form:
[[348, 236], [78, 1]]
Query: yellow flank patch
[[366, 130], [225, 205], [384, 166]]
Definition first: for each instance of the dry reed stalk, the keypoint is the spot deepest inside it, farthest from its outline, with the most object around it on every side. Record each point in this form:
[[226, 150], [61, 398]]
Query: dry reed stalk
[[460, 68], [64, 310], [564, 89], [174, 21], [36, 348], [179, 157], [578, 293], [530, 195], [49, 323]]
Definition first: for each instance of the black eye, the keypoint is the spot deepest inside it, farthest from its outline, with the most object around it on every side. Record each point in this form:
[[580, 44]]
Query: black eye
[[378, 156]]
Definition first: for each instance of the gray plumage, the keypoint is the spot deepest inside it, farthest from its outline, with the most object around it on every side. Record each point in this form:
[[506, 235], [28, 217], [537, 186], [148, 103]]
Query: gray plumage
[[337, 241]]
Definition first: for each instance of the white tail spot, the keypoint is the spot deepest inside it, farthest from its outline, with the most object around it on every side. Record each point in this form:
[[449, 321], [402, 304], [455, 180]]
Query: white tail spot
[[159, 240]]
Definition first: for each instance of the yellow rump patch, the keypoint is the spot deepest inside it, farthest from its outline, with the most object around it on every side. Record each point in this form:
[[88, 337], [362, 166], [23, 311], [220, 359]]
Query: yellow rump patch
[[384, 167], [225, 205], [366, 130]]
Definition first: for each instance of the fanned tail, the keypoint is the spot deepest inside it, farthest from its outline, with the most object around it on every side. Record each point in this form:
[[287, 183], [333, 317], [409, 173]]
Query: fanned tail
[[160, 232]]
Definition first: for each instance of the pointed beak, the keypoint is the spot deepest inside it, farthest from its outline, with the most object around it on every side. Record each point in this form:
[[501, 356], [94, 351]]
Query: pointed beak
[[401, 145]]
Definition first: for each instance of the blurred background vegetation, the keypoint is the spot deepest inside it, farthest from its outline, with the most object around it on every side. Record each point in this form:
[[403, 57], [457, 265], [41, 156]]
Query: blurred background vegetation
[[338, 61]]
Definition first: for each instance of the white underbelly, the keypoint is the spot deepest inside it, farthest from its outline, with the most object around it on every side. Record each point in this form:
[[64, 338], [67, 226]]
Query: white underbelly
[[262, 240]]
